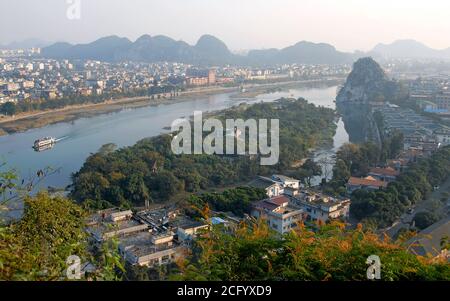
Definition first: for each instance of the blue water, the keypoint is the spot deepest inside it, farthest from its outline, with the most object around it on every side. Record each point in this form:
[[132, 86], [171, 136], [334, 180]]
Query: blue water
[[84, 136]]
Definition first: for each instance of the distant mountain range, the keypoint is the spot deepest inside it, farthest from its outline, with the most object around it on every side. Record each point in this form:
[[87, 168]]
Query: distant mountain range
[[209, 50], [410, 49], [29, 43]]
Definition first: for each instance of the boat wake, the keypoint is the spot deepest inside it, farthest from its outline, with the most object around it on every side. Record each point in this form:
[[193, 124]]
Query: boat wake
[[62, 138]]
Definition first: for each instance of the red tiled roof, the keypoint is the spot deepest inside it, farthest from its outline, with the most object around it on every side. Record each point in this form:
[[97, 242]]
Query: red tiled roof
[[366, 182], [385, 171], [279, 200]]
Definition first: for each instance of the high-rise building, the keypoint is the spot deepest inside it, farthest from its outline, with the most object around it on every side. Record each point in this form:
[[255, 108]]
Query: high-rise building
[[211, 77]]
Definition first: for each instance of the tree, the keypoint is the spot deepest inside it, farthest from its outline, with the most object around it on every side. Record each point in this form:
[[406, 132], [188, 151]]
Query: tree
[[341, 172], [8, 108], [425, 219], [309, 170], [37, 246]]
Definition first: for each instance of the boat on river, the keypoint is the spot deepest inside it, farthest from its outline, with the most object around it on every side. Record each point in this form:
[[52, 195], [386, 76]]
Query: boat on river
[[44, 144]]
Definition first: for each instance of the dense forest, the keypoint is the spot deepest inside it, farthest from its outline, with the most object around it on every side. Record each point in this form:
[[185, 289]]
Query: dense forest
[[150, 171]]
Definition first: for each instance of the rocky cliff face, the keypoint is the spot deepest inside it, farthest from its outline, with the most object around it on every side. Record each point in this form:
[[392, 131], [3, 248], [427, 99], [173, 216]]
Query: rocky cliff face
[[367, 82]]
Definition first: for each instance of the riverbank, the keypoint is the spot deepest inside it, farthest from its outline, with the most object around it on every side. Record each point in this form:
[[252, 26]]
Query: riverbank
[[31, 120]]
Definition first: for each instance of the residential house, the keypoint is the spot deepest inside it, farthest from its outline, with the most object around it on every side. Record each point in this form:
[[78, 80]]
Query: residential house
[[369, 183], [271, 187], [387, 174], [285, 181], [319, 207], [279, 213]]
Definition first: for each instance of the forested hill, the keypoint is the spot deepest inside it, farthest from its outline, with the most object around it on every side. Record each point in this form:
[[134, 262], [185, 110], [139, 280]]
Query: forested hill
[[150, 170]]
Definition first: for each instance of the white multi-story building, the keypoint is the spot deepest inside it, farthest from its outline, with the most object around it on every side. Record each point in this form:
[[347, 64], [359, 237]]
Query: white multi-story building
[[319, 207], [279, 213], [276, 185]]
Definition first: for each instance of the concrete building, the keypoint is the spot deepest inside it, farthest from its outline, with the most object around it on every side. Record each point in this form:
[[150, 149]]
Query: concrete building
[[189, 231], [319, 207], [272, 188], [145, 249], [285, 181], [111, 223], [275, 185], [279, 213], [211, 77]]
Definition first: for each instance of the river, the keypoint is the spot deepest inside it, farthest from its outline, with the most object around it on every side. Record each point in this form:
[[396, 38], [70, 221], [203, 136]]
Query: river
[[84, 136]]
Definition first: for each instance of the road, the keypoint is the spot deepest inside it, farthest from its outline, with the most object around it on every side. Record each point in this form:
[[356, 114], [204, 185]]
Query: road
[[406, 219]]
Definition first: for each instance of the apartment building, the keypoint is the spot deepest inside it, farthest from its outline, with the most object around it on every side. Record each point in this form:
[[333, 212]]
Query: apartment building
[[280, 214], [320, 207]]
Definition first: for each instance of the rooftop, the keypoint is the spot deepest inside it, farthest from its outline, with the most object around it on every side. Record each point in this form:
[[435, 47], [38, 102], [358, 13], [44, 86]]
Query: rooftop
[[428, 241], [261, 182], [100, 229], [368, 181], [388, 171], [141, 244]]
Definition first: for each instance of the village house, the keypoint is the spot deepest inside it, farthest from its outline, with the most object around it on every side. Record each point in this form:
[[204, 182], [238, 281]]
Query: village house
[[319, 207], [280, 215], [285, 181], [387, 174], [272, 188], [369, 183], [275, 185]]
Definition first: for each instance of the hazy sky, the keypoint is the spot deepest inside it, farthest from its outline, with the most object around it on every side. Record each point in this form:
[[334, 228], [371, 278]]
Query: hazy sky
[[241, 24]]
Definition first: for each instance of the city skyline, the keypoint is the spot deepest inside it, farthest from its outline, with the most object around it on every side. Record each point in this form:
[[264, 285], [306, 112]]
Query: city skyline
[[356, 25]]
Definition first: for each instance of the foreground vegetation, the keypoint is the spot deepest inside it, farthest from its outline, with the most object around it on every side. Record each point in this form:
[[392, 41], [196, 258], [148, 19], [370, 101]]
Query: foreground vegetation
[[254, 252], [150, 170], [36, 247]]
